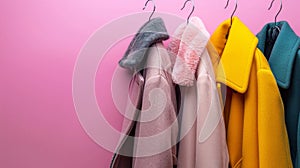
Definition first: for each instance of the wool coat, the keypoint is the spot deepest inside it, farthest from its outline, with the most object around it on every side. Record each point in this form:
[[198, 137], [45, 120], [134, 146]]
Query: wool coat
[[281, 48], [254, 112], [150, 127], [202, 128]]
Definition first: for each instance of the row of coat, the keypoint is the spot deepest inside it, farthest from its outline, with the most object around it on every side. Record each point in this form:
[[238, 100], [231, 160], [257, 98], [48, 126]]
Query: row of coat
[[230, 99]]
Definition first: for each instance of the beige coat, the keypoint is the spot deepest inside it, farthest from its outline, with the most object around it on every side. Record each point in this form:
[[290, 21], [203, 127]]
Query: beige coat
[[202, 128]]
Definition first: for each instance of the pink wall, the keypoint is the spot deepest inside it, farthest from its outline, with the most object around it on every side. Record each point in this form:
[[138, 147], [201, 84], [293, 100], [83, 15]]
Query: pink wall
[[40, 41]]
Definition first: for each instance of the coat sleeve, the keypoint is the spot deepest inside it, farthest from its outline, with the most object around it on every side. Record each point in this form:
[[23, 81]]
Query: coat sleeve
[[156, 130], [272, 135]]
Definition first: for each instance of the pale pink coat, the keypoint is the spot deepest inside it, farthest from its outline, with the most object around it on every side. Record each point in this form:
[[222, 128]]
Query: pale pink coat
[[201, 122], [152, 140]]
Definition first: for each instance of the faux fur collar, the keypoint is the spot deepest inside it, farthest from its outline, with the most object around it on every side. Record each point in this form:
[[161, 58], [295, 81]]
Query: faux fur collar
[[188, 43], [151, 32]]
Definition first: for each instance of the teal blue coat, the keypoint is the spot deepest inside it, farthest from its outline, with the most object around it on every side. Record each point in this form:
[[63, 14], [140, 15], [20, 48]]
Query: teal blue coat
[[283, 54]]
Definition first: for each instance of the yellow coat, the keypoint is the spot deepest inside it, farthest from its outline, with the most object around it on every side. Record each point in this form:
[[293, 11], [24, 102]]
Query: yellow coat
[[254, 113]]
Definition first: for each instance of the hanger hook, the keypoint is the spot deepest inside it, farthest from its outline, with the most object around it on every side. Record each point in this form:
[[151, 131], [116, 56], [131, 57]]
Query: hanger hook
[[154, 7], [236, 4], [192, 1], [278, 11]]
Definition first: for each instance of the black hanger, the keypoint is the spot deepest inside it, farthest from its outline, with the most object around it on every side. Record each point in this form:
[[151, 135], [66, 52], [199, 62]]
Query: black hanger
[[188, 18], [230, 16], [154, 7], [233, 10], [276, 26]]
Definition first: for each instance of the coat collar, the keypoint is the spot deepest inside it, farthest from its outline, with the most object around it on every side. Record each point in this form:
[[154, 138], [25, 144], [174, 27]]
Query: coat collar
[[187, 45], [236, 53], [283, 54], [151, 32]]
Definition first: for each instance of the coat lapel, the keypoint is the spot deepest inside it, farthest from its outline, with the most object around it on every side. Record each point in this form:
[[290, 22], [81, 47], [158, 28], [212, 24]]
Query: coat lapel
[[236, 53], [283, 54]]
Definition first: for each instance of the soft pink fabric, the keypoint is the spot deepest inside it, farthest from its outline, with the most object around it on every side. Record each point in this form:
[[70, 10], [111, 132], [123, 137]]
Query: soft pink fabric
[[158, 115], [202, 126], [156, 122], [123, 156], [187, 51]]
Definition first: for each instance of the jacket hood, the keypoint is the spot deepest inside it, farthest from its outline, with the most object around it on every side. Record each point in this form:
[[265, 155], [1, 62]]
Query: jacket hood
[[151, 32], [284, 51], [187, 45]]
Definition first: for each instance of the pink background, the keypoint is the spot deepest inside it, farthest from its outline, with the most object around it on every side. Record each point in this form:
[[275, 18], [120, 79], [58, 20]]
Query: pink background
[[40, 41]]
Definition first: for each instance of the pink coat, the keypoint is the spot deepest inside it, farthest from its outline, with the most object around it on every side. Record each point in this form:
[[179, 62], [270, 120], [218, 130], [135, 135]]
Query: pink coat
[[152, 130], [157, 120], [202, 129]]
